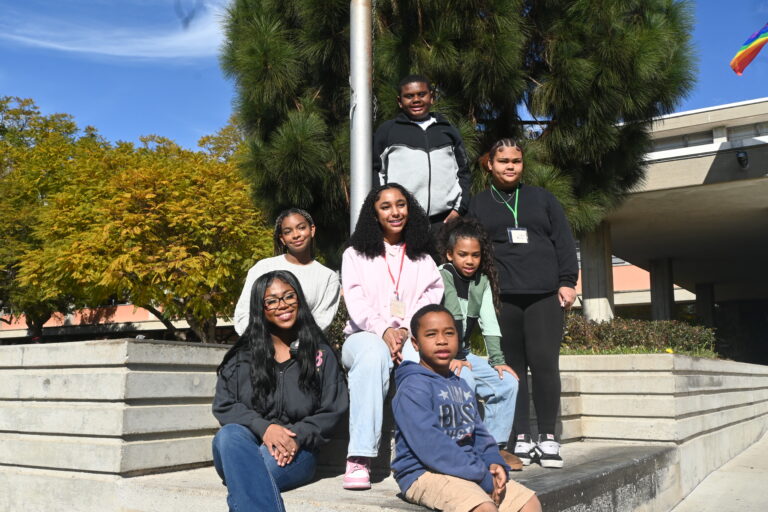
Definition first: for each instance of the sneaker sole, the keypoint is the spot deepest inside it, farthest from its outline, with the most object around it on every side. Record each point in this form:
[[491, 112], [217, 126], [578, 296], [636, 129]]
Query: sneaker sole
[[525, 460], [551, 463], [355, 486]]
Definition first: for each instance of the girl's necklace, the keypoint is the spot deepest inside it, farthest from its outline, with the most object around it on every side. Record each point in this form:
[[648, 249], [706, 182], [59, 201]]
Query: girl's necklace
[[499, 192]]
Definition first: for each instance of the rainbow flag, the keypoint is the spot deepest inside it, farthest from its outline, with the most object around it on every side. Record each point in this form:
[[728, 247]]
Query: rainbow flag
[[749, 50]]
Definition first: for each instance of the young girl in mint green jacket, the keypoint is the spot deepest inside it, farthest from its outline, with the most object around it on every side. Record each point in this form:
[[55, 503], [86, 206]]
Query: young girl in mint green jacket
[[471, 296]]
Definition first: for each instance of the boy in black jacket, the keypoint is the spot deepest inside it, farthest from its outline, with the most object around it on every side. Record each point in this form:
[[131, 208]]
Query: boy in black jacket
[[423, 152]]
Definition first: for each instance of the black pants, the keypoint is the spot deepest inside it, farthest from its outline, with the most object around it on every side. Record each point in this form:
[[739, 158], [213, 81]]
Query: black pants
[[531, 332]]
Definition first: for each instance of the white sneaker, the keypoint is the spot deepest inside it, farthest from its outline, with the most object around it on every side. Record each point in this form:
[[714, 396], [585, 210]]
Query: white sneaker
[[548, 451], [525, 449]]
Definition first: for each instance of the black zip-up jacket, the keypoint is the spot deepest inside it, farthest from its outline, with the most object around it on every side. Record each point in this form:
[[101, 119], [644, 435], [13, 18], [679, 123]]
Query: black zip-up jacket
[[431, 164], [548, 261], [309, 418]]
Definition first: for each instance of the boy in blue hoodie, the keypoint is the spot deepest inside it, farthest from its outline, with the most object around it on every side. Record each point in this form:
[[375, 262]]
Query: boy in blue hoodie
[[445, 458]]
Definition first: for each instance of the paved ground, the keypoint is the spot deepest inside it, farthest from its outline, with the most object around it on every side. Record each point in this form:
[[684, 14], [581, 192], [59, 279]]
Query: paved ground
[[739, 485], [201, 489]]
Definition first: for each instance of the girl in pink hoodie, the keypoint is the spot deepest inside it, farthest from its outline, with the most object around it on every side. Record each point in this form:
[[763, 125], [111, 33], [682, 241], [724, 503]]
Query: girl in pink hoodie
[[387, 275]]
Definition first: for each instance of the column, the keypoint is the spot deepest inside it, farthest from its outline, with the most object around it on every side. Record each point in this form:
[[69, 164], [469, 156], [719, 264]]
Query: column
[[705, 304], [662, 289], [597, 274]]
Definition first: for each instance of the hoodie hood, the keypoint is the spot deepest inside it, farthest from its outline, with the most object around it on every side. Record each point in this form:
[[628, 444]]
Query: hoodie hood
[[409, 369]]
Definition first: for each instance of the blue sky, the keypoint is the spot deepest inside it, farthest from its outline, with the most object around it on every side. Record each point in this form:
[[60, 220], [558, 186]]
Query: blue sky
[[131, 67]]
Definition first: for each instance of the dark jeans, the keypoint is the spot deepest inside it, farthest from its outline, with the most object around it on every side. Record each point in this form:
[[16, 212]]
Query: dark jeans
[[251, 474]]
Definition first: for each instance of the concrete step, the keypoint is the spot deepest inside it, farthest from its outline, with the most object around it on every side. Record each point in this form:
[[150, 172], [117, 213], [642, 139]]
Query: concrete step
[[597, 477]]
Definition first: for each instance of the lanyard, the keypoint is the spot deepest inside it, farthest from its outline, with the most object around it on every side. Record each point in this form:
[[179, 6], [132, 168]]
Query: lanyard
[[513, 210], [400, 273]]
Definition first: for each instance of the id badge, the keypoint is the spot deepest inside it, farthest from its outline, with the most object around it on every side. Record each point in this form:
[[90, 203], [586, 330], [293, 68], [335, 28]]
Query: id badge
[[397, 308], [517, 235]]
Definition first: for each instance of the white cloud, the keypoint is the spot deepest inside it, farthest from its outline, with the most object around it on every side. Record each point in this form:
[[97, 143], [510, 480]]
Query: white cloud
[[201, 38]]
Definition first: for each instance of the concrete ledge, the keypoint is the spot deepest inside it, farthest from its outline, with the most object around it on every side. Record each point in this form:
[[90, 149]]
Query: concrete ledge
[[103, 455], [40, 490], [121, 352], [96, 414], [103, 419], [116, 406], [611, 478], [597, 477]]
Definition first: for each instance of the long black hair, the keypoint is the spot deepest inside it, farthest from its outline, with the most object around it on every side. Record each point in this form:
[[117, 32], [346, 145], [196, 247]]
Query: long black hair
[[368, 237], [257, 341], [465, 227], [278, 245]]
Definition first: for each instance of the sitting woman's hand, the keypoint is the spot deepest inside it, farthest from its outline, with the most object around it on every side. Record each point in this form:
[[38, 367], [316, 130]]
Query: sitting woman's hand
[[501, 368], [457, 364], [286, 458], [281, 444], [395, 338]]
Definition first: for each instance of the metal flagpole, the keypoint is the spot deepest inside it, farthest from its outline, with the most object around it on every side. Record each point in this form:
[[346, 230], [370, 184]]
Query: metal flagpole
[[360, 105]]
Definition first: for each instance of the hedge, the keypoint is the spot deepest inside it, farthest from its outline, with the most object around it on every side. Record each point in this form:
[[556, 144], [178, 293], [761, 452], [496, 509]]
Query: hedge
[[619, 336]]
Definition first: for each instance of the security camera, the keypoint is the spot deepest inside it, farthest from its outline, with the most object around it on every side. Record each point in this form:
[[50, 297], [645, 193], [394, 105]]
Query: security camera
[[743, 158]]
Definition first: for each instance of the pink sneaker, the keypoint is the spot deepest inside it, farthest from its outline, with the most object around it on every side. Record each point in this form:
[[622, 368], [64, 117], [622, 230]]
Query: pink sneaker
[[358, 473]]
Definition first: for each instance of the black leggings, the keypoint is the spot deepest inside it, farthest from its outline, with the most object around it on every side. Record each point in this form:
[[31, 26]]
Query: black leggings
[[531, 332]]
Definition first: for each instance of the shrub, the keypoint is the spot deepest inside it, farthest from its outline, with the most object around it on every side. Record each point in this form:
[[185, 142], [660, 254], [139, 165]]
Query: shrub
[[335, 331], [619, 336], [625, 335]]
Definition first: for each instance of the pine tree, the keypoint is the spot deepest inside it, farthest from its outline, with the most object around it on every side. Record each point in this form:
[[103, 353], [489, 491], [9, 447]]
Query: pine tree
[[592, 72], [600, 71]]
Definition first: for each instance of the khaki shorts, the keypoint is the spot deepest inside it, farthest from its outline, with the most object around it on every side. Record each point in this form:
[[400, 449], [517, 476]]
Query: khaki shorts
[[452, 494]]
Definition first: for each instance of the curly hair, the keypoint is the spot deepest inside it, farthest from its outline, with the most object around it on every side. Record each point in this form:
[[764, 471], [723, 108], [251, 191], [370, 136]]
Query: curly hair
[[257, 341], [464, 227], [368, 238], [279, 246]]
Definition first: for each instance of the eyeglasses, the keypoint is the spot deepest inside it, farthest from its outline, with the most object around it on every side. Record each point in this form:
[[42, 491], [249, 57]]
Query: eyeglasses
[[289, 299]]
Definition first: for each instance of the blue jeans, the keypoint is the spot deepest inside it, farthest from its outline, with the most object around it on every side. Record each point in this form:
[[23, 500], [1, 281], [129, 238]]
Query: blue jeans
[[499, 395], [251, 474], [367, 360]]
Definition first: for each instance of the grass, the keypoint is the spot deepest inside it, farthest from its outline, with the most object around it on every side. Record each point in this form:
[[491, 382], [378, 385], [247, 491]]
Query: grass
[[567, 351]]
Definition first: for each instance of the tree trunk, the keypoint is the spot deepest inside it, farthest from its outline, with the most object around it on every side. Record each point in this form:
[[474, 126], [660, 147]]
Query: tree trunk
[[171, 329], [205, 329], [35, 322]]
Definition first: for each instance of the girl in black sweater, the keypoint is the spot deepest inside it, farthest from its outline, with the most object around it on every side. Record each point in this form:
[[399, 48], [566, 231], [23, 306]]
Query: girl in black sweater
[[279, 393], [535, 258]]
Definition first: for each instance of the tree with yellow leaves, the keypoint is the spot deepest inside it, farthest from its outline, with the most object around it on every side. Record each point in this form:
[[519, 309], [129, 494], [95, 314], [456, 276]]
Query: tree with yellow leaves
[[35, 151], [164, 228]]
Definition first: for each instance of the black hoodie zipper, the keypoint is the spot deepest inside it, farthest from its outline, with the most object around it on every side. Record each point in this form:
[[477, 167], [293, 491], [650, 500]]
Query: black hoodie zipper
[[280, 389]]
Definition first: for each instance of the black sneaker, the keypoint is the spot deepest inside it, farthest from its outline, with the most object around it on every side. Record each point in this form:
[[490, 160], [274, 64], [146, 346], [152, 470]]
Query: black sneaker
[[525, 449], [548, 451]]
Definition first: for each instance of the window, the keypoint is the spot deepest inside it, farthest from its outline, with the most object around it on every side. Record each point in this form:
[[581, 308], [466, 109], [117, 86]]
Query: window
[[683, 141]]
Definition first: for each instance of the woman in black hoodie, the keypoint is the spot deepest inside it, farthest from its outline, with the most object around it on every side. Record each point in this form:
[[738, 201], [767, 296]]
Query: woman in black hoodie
[[279, 393]]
